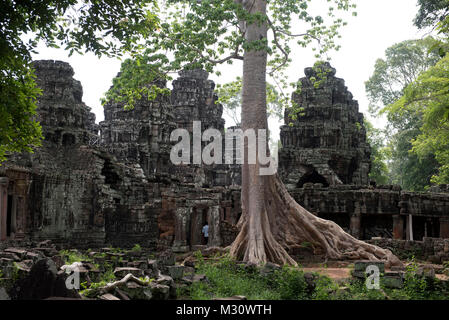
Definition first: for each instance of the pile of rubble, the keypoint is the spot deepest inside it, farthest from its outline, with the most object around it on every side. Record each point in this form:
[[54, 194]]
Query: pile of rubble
[[41, 272]]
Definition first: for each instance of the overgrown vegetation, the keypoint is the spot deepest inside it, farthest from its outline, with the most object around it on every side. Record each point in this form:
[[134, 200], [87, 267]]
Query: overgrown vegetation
[[226, 278]]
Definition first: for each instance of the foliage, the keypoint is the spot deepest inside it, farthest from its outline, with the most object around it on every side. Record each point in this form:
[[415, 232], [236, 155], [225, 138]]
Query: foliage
[[19, 131], [406, 168], [403, 64], [202, 34], [431, 12], [290, 283], [324, 288], [415, 286], [230, 96], [429, 95], [227, 278], [379, 154], [71, 257], [138, 78], [108, 27], [137, 248]]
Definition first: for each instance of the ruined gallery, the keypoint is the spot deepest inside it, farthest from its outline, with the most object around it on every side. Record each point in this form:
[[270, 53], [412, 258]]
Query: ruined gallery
[[112, 183]]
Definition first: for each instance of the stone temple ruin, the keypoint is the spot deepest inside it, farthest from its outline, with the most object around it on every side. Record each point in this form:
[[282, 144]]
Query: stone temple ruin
[[113, 183]]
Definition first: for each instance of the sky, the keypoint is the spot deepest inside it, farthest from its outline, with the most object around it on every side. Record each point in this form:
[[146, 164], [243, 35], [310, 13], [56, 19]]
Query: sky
[[379, 24]]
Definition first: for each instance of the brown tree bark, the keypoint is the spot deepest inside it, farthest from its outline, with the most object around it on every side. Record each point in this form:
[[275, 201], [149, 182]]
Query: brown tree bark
[[271, 220]]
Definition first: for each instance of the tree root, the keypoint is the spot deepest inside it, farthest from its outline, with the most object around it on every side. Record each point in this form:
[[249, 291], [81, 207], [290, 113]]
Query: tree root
[[284, 224]]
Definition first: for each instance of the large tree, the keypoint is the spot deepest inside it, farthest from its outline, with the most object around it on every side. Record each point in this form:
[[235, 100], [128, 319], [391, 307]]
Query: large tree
[[202, 34], [429, 95], [431, 13], [402, 65], [109, 27]]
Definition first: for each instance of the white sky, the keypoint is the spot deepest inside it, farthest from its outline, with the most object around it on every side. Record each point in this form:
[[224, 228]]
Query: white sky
[[379, 24]]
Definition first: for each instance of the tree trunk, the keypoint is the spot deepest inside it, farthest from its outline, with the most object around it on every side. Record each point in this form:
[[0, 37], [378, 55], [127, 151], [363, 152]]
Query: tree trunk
[[271, 220]]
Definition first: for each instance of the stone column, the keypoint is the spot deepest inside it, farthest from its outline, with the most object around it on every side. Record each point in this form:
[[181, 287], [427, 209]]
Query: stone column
[[444, 227], [409, 233], [398, 227], [356, 222], [182, 219], [3, 206], [355, 225], [213, 216]]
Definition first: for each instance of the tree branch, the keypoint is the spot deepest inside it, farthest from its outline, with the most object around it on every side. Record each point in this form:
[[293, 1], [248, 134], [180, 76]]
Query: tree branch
[[235, 55]]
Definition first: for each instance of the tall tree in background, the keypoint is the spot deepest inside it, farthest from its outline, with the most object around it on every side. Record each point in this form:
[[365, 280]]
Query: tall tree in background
[[429, 93], [403, 64], [202, 34], [431, 13], [108, 27]]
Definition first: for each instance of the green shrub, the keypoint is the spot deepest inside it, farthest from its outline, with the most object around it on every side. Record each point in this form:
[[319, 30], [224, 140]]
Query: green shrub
[[415, 286], [291, 283], [137, 248]]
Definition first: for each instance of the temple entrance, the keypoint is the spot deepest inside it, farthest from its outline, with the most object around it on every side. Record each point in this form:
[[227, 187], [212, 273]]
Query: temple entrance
[[312, 177], [376, 226], [197, 221], [425, 227]]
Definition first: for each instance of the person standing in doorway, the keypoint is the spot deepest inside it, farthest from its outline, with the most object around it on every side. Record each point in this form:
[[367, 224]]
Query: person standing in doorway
[[205, 232]]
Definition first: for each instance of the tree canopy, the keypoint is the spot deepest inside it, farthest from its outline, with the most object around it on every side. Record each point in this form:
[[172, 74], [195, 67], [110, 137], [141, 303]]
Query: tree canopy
[[429, 95], [431, 12], [108, 27], [402, 65]]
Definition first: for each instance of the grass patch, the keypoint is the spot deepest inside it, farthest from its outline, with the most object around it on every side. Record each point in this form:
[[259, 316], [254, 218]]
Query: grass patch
[[227, 278]]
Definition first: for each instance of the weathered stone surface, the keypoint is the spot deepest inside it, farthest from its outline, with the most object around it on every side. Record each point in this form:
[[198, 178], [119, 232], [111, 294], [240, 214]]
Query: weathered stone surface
[[176, 272], [90, 185], [108, 297], [42, 281], [3, 294], [122, 272], [394, 279], [327, 144]]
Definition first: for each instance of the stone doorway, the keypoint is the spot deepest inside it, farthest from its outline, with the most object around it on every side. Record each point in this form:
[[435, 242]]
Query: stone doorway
[[312, 177], [199, 217], [425, 227]]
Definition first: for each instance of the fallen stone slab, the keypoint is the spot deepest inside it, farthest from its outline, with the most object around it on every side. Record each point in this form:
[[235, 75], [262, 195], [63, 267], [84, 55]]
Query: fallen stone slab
[[159, 291], [136, 291], [361, 266], [48, 252], [33, 256], [123, 271], [109, 297], [10, 255], [200, 278], [176, 272], [19, 252], [393, 279]]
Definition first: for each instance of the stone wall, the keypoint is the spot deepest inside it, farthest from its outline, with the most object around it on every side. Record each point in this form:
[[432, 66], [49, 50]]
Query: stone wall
[[70, 190], [435, 250], [120, 187], [384, 211]]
